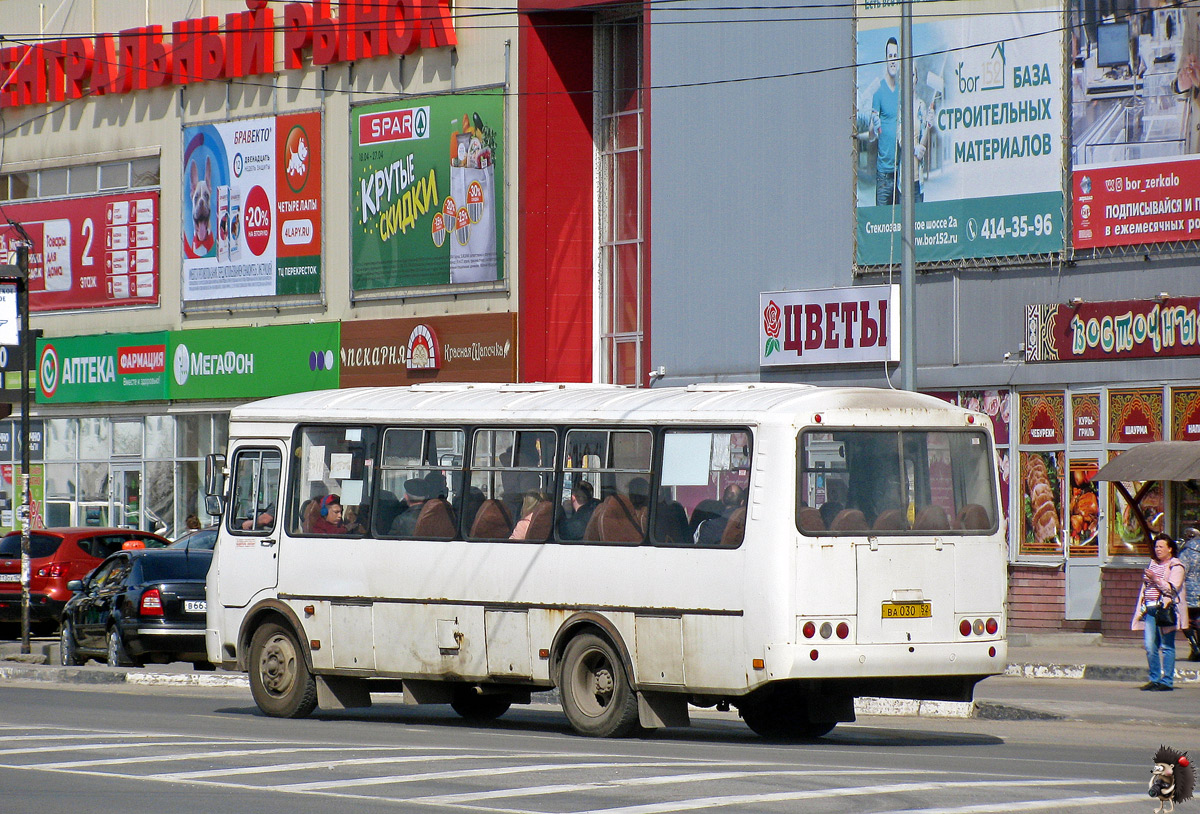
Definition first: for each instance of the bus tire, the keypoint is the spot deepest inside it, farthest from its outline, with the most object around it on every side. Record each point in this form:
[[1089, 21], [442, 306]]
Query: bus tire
[[596, 695], [778, 717], [474, 707], [280, 681]]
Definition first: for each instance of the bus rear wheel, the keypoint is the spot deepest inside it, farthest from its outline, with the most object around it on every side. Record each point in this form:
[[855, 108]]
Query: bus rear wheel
[[782, 716], [280, 681], [596, 695], [476, 707]]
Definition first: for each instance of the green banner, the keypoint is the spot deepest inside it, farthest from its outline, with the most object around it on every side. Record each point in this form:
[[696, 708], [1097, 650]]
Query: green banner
[[427, 184], [269, 360], [951, 230], [10, 496], [102, 367]]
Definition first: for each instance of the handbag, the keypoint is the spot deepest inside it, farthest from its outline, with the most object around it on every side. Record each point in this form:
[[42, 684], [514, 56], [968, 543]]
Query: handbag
[[1164, 615]]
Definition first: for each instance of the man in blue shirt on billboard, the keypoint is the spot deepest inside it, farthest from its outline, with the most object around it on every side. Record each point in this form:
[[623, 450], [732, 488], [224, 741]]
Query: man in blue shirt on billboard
[[885, 117]]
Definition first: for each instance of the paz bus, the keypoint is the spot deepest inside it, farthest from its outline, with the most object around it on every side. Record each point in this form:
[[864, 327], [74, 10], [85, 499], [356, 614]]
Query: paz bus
[[780, 549]]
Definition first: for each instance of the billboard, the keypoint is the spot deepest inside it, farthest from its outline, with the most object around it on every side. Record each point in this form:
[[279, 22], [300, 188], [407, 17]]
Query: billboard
[[427, 189], [89, 252], [1121, 329], [1135, 87], [102, 367], [252, 208], [460, 348], [988, 131]]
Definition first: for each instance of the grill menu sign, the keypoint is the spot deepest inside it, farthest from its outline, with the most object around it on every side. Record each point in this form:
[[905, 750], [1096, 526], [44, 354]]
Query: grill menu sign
[[829, 326]]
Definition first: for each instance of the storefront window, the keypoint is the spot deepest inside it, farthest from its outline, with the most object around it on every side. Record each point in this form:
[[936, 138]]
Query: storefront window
[[160, 438], [60, 439], [127, 438], [95, 436], [93, 494], [193, 435], [159, 498]]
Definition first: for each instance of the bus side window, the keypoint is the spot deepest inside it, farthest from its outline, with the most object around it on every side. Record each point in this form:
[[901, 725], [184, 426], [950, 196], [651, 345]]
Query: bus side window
[[333, 461], [255, 500], [512, 479], [606, 486], [420, 484], [702, 488]]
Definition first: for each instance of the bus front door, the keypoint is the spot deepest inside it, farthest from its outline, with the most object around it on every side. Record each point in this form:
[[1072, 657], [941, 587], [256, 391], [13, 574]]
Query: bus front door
[[248, 551]]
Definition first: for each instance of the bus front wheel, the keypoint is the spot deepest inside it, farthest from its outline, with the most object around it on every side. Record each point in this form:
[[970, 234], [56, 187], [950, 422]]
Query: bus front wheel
[[596, 695], [280, 681]]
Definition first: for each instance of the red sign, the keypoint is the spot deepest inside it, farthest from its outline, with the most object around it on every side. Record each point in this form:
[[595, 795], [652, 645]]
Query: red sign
[[298, 185], [199, 51], [1128, 329], [142, 359], [1185, 414], [1134, 204], [393, 125], [1135, 416], [89, 252], [1041, 419], [1085, 417]]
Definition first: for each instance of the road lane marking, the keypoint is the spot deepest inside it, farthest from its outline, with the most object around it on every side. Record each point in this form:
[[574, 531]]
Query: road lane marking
[[83, 747], [73, 764], [330, 764], [1033, 805]]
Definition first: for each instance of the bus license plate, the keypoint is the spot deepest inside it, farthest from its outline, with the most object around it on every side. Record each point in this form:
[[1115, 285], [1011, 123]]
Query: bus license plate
[[907, 610], [195, 606]]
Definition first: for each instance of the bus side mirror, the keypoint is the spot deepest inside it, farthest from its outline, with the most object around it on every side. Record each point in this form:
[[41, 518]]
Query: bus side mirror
[[214, 476], [213, 504]]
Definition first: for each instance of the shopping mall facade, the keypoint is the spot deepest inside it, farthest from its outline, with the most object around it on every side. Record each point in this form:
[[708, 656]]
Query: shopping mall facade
[[271, 197]]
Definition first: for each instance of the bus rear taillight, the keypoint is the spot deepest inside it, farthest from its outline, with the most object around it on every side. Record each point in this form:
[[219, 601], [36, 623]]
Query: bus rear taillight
[[964, 627], [992, 626], [843, 630], [810, 630]]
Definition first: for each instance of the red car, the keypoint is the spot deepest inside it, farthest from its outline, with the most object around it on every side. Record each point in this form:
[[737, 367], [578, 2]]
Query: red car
[[57, 556]]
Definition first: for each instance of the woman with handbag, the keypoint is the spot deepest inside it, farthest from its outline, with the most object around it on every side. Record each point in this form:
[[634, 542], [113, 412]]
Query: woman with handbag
[[1157, 612]]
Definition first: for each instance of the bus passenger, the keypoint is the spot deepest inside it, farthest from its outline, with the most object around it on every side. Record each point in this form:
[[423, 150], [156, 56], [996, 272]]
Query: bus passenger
[[583, 504], [528, 506], [329, 519], [710, 531], [416, 492]]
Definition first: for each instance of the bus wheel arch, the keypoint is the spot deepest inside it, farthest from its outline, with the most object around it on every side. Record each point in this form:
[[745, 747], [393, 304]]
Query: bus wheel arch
[[281, 681], [272, 610], [595, 680]]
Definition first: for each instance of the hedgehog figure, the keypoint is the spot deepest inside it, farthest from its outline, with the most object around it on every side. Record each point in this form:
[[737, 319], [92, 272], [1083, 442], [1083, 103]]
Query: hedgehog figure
[[1171, 779]]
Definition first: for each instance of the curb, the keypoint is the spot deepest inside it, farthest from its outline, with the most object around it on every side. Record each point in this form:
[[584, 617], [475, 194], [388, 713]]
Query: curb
[[1093, 672]]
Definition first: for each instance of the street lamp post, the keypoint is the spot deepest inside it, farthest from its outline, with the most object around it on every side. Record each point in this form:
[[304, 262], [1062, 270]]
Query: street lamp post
[[26, 507]]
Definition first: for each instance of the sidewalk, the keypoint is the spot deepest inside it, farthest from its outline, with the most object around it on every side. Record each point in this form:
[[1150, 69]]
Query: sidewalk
[[1089, 656]]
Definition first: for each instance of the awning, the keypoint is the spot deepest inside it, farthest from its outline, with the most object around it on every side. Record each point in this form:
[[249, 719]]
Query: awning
[[1160, 460]]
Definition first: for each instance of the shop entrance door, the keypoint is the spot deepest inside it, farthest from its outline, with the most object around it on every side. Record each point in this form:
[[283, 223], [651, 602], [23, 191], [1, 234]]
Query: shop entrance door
[[127, 496], [1083, 539]]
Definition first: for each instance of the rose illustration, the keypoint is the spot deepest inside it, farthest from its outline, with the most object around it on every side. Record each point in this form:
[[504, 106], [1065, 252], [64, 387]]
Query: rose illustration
[[771, 327]]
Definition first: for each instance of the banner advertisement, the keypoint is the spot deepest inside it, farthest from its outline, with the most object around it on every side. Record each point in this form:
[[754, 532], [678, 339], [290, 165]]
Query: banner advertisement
[[829, 326], [252, 208], [10, 496], [1083, 523], [254, 362], [427, 182], [1135, 416], [92, 252], [988, 135], [1135, 97], [1041, 418], [467, 348], [1185, 414], [1085, 418], [1041, 503], [1123, 329], [102, 367]]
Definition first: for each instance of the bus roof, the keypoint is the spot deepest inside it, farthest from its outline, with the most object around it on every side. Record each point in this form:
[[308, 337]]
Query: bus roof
[[564, 403]]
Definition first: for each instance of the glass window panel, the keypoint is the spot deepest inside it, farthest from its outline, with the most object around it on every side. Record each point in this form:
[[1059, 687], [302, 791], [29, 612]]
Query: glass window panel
[[160, 437], [704, 482], [145, 172], [333, 460], [626, 195], [3, 187], [21, 185], [83, 179], [193, 435], [492, 448], [60, 495], [127, 437], [94, 494], [158, 498], [627, 58], [189, 493], [626, 367], [403, 448], [628, 287], [60, 439], [220, 432], [255, 495], [114, 176], [52, 182], [626, 129], [95, 436]]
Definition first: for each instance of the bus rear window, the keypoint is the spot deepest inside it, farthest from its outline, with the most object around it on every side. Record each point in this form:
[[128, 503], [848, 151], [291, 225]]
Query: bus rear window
[[895, 482]]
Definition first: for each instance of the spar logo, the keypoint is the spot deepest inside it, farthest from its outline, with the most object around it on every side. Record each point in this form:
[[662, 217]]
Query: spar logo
[[423, 350], [48, 372]]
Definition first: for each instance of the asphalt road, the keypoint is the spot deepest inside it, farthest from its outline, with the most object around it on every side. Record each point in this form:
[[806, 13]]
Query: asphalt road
[[71, 748]]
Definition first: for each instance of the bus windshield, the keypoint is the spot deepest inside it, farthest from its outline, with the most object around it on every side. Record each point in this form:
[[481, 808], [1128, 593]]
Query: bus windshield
[[895, 482]]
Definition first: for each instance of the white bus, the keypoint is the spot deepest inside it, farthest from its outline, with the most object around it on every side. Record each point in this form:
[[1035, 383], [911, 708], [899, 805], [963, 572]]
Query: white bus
[[780, 549]]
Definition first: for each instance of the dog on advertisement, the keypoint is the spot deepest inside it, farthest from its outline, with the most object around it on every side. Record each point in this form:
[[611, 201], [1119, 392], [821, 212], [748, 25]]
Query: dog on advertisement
[[201, 243]]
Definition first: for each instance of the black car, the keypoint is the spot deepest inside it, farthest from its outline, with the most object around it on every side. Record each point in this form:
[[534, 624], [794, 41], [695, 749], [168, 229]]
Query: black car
[[205, 539], [139, 606]]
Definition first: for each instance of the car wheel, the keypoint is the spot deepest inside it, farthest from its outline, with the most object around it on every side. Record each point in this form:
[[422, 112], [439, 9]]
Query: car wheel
[[68, 656], [596, 695], [116, 654], [280, 681]]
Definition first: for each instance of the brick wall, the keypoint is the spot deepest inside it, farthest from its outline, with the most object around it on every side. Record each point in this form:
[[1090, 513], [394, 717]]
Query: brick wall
[[1118, 593], [1036, 597]]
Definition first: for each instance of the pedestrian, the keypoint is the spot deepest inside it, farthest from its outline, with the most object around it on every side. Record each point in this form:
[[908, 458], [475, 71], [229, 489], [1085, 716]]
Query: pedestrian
[[1157, 612], [1189, 555]]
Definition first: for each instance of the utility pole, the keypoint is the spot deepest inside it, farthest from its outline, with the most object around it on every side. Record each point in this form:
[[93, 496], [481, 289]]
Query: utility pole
[[908, 191], [26, 502]]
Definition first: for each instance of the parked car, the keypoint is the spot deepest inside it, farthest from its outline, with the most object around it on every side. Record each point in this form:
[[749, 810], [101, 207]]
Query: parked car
[[57, 556], [139, 606], [200, 539]]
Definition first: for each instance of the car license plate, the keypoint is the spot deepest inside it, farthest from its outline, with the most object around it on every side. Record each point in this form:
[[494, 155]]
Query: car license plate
[[907, 610], [195, 605], [10, 577]]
